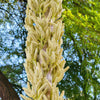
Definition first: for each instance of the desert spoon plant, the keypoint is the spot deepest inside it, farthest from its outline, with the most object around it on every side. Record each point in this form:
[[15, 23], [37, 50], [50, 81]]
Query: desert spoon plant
[[44, 64]]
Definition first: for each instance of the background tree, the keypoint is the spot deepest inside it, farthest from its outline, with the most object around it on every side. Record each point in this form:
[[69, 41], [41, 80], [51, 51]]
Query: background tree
[[82, 49], [12, 42]]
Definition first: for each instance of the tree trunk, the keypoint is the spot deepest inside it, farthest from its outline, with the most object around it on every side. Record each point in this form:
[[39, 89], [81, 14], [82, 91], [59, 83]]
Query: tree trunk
[[6, 90]]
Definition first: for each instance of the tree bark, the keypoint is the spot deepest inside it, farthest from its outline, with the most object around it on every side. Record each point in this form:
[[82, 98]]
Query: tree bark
[[6, 90]]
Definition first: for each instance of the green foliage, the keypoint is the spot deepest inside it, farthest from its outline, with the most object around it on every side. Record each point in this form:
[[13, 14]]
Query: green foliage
[[82, 48]]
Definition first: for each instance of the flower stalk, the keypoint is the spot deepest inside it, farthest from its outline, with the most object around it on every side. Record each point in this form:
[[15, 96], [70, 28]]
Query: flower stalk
[[44, 63]]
